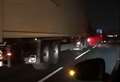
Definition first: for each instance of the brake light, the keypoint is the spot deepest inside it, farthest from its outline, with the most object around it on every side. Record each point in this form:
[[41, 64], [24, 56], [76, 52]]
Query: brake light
[[93, 40], [88, 39]]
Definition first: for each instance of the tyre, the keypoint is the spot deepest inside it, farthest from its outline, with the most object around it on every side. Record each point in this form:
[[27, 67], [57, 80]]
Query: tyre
[[46, 54], [55, 52], [43, 59]]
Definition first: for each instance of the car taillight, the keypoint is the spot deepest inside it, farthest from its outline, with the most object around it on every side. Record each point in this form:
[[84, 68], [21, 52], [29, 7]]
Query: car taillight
[[89, 40], [93, 40]]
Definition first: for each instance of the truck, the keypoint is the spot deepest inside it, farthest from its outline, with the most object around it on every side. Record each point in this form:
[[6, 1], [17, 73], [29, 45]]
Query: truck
[[37, 28]]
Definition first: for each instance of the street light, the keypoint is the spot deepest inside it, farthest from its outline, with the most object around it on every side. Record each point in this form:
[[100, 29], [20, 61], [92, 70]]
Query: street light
[[9, 54], [35, 39]]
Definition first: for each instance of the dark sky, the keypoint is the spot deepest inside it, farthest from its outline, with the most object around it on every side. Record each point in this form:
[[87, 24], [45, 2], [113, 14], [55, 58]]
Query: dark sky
[[104, 14]]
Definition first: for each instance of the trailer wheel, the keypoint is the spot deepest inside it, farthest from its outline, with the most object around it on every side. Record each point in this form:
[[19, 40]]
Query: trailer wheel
[[49, 54], [43, 59], [55, 51], [46, 54]]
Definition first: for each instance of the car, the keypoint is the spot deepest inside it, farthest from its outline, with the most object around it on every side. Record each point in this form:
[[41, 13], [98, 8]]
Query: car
[[31, 59]]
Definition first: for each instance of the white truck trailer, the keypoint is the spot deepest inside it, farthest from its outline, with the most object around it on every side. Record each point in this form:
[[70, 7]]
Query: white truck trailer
[[39, 27]]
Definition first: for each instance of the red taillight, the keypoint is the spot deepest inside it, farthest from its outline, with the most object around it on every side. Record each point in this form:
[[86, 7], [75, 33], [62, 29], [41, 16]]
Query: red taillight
[[89, 39], [93, 40]]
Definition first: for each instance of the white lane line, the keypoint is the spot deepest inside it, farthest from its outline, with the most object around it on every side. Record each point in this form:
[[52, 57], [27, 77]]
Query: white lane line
[[77, 48], [82, 54], [51, 74], [94, 46]]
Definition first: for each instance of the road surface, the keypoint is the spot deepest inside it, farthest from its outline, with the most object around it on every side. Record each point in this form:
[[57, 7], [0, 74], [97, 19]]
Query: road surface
[[26, 73]]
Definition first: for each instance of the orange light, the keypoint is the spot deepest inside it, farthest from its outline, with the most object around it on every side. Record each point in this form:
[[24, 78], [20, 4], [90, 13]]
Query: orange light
[[72, 72]]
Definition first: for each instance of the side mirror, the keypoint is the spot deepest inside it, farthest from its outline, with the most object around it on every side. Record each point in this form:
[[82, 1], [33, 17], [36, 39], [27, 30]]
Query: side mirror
[[90, 70]]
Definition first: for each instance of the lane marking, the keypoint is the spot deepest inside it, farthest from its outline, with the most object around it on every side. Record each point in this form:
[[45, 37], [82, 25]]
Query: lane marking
[[51, 74], [77, 48], [82, 54], [94, 46], [54, 72]]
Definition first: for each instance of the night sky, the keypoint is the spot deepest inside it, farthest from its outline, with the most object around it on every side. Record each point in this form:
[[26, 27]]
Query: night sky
[[104, 14]]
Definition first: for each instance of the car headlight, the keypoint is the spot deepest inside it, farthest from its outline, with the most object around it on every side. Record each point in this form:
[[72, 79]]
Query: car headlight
[[78, 43]]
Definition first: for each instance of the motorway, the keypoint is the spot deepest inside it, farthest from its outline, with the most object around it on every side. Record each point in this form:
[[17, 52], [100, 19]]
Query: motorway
[[68, 58]]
